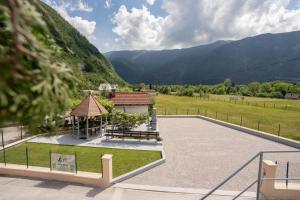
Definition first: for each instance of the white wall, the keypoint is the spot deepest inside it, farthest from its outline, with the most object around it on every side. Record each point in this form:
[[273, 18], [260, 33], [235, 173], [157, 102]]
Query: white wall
[[134, 109]]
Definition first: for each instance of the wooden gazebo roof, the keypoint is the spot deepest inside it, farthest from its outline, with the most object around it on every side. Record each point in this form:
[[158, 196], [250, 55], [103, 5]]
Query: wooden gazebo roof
[[89, 107]]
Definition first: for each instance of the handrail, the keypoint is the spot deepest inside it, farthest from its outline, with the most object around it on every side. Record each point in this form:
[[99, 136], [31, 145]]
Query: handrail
[[242, 192], [260, 154], [229, 177]]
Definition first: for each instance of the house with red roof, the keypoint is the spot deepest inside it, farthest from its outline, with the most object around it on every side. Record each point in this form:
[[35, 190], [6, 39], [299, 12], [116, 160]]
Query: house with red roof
[[131, 102]]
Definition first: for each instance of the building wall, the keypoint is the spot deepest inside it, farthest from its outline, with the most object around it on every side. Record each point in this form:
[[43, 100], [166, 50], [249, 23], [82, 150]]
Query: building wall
[[134, 109]]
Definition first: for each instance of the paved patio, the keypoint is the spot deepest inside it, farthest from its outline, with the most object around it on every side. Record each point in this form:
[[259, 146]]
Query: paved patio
[[200, 154], [68, 139]]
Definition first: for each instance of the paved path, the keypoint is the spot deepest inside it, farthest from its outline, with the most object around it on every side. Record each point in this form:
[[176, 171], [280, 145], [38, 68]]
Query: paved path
[[200, 154], [67, 139], [34, 189]]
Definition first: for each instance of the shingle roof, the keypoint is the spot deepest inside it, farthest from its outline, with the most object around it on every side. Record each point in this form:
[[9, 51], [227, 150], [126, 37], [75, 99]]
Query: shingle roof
[[89, 107], [130, 98]]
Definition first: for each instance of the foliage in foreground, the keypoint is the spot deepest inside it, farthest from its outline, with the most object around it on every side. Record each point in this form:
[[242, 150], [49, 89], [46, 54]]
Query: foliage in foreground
[[32, 84]]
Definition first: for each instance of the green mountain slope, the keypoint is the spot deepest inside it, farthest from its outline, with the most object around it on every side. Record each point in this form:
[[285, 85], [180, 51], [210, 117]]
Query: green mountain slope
[[266, 57], [88, 63]]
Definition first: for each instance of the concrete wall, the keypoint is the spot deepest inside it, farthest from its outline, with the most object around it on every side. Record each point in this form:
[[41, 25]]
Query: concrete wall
[[272, 190], [134, 109], [86, 178]]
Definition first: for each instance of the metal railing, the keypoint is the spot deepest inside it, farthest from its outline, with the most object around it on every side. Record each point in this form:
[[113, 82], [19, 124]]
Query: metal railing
[[259, 155]]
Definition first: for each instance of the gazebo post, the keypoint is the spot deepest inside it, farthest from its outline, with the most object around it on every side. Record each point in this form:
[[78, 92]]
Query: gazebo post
[[73, 128], [105, 123], [101, 125], [78, 134], [87, 127]]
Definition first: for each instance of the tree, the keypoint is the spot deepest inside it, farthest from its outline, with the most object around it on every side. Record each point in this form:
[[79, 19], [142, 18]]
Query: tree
[[227, 83], [253, 87], [32, 84]]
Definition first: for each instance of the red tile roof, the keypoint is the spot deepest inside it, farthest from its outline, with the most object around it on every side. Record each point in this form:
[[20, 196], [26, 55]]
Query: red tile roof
[[89, 107], [130, 98]]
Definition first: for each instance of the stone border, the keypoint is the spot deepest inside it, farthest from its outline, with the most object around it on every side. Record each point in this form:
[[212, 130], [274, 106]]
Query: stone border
[[268, 136], [141, 169], [181, 190]]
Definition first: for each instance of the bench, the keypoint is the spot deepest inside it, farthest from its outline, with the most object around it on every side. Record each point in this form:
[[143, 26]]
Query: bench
[[132, 134]]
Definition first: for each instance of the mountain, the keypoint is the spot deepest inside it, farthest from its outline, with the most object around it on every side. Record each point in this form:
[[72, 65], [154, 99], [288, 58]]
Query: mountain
[[262, 58], [77, 51]]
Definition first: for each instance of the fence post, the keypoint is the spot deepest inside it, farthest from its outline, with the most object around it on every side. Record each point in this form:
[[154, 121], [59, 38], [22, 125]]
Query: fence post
[[75, 162], [21, 131], [198, 112], [27, 162], [216, 115], [259, 175], [241, 120], [3, 148], [278, 129], [50, 167], [187, 112], [287, 173], [227, 117], [258, 124]]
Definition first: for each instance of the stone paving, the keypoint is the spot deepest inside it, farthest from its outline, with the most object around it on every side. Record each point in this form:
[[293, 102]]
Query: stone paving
[[200, 154], [100, 142], [34, 189]]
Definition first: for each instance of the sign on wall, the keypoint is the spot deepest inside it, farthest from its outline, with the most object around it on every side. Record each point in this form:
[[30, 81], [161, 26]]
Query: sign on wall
[[62, 162]]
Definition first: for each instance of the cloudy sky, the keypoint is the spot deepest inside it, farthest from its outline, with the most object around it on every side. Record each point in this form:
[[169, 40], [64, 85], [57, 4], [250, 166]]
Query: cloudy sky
[[165, 24]]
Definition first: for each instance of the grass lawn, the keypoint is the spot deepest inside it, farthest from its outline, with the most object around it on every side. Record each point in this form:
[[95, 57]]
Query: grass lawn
[[88, 158], [253, 113]]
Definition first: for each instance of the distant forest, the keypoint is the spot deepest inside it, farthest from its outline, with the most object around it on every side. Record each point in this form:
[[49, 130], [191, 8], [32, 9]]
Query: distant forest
[[275, 89]]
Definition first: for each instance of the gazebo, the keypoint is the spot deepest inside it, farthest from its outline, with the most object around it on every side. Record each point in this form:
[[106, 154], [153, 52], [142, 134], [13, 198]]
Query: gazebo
[[86, 112]]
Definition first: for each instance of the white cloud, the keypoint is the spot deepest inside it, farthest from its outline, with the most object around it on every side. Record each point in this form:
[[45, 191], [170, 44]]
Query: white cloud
[[107, 3], [84, 7], [190, 23], [84, 26], [138, 28], [151, 2]]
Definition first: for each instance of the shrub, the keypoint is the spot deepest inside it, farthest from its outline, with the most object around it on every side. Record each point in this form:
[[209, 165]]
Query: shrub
[[126, 121]]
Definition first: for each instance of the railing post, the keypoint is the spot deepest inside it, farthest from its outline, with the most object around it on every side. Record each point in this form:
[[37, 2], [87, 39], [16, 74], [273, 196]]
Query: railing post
[[241, 120], [76, 162], [27, 162], [278, 129], [287, 174], [21, 132], [198, 111], [3, 148], [50, 167], [259, 175]]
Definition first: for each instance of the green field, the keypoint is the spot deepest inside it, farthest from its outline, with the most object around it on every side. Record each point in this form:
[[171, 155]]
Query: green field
[[275, 116], [88, 158]]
